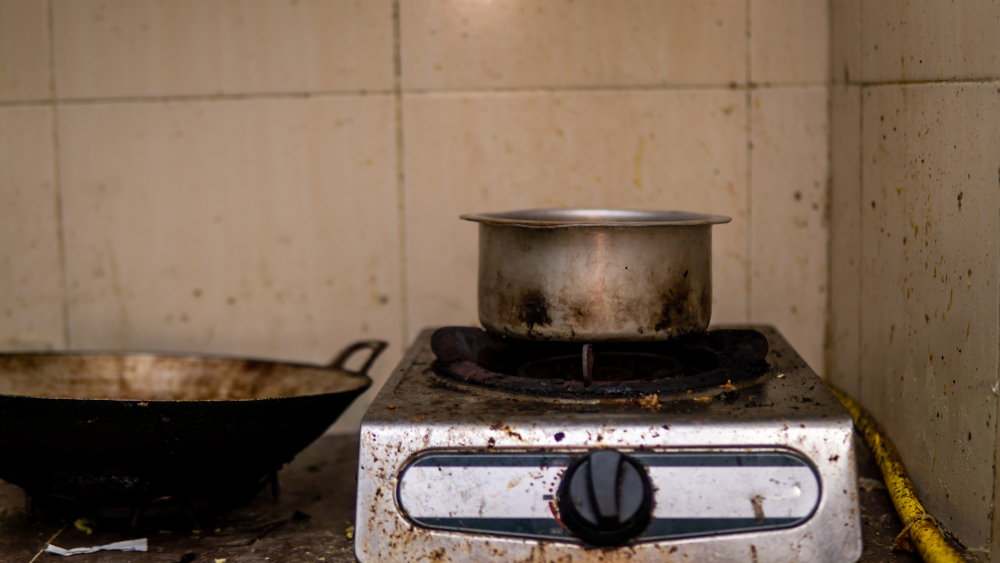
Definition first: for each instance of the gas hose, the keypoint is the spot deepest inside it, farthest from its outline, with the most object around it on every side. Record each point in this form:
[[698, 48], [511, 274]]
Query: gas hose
[[923, 529]]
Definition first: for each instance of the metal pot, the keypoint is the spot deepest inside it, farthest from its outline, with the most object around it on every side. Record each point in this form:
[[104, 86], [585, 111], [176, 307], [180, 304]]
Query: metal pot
[[595, 275]]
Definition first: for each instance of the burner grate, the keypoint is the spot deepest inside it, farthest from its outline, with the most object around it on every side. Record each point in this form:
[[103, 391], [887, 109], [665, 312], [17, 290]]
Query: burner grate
[[621, 369], [609, 366]]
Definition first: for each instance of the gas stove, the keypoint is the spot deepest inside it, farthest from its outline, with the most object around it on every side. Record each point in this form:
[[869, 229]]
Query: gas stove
[[723, 446]]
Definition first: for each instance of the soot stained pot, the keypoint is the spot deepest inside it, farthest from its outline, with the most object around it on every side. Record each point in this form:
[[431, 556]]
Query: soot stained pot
[[132, 429], [595, 275]]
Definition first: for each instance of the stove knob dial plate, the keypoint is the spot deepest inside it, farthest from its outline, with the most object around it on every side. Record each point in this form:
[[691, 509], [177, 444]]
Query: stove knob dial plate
[[606, 498]]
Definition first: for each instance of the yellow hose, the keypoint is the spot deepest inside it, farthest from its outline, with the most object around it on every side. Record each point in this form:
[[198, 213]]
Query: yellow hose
[[924, 532]]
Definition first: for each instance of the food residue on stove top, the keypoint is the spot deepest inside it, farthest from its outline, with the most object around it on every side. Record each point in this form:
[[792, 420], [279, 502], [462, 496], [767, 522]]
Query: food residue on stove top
[[649, 402]]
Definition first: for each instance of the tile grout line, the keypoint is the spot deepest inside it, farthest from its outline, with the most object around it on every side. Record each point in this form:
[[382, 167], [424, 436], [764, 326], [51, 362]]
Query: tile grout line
[[467, 91], [28, 103], [748, 86], [996, 452], [181, 98], [397, 92], [749, 188], [618, 88], [877, 83], [861, 200], [994, 531], [861, 230], [60, 227], [828, 328]]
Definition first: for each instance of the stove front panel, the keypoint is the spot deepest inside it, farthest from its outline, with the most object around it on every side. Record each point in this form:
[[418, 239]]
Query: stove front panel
[[696, 493]]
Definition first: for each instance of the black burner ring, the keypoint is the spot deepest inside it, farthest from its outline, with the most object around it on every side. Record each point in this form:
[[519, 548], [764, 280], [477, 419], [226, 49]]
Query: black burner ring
[[608, 367], [710, 359]]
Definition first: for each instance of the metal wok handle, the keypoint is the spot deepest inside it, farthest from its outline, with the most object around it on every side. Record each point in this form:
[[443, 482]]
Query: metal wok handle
[[376, 347]]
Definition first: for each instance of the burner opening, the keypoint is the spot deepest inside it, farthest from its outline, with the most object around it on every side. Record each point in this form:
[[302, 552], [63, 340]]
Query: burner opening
[[608, 367], [617, 369]]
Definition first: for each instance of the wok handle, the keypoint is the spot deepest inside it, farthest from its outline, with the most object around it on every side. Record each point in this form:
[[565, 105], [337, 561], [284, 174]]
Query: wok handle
[[376, 347]]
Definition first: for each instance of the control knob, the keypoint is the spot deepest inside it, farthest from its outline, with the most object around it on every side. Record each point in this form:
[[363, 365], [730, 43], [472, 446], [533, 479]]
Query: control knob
[[606, 498]]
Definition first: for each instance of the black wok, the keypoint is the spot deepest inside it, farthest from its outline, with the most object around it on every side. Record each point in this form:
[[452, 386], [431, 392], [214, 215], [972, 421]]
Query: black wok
[[124, 429]]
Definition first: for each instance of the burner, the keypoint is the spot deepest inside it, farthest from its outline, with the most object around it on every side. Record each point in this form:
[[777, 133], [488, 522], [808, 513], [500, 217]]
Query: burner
[[619, 369], [609, 366]]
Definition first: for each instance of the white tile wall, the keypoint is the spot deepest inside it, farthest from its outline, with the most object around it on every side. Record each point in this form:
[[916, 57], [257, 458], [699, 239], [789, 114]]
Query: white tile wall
[[25, 65], [789, 215], [903, 40], [843, 338], [930, 312], [31, 310], [845, 41], [467, 44], [126, 48], [789, 41], [928, 319]]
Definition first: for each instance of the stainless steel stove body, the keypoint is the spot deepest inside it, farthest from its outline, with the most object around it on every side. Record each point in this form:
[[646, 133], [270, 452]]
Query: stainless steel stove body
[[451, 471]]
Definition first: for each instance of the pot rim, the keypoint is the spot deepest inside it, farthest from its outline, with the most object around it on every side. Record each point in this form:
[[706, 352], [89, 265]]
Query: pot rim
[[554, 218]]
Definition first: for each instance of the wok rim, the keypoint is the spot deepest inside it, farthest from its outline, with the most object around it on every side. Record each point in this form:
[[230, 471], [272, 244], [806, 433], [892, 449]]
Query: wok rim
[[362, 377]]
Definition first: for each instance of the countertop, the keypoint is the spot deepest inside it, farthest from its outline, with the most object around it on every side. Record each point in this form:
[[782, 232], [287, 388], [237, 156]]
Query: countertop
[[309, 521]]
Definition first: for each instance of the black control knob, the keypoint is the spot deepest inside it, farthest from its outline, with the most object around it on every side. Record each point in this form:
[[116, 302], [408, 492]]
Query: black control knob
[[606, 498]]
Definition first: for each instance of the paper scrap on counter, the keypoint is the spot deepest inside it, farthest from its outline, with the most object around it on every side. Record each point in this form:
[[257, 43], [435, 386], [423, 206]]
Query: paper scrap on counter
[[129, 545]]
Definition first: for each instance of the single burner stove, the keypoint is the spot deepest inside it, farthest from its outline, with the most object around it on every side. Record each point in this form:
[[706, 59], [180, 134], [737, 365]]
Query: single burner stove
[[724, 446]]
